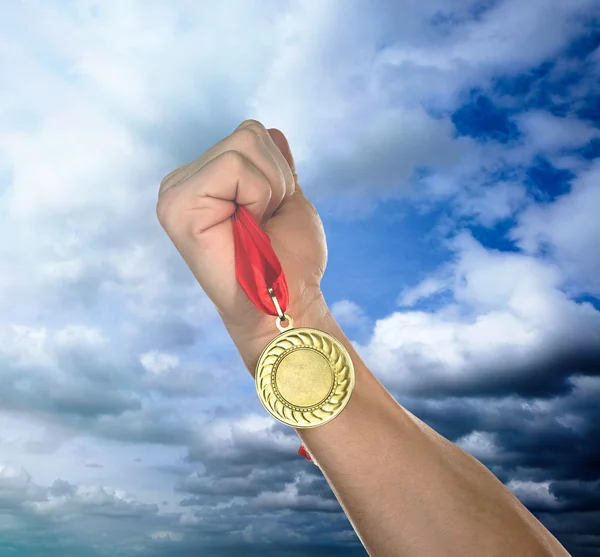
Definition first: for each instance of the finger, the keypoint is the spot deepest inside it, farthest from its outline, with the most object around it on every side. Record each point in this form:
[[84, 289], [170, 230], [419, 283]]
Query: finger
[[248, 141], [274, 142], [208, 198], [281, 187], [282, 143]]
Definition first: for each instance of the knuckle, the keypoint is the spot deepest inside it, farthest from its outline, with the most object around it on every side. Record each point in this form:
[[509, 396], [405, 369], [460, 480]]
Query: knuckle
[[250, 122], [167, 177], [164, 208], [234, 160], [161, 212], [247, 138], [168, 208], [166, 182]]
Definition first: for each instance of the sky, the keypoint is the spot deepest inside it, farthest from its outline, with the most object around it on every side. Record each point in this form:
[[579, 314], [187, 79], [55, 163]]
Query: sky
[[452, 149]]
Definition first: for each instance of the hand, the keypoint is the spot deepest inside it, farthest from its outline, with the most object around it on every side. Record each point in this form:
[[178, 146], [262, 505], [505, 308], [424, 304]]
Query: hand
[[253, 167]]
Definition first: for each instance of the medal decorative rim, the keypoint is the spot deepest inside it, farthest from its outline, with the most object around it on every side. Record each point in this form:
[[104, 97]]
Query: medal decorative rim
[[342, 368]]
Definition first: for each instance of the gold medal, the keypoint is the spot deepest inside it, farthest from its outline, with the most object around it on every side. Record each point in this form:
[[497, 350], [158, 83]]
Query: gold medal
[[304, 377]]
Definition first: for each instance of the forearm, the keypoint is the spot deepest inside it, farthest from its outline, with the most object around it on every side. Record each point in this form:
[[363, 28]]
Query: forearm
[[406, 489]]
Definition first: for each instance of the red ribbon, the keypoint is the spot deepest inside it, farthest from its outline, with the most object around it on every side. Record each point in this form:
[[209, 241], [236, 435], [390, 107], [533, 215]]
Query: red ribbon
[[257, 269], [303, 452], [257, 266]]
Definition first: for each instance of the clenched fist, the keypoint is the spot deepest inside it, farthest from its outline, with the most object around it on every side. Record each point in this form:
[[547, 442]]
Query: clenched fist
[[253, 167]]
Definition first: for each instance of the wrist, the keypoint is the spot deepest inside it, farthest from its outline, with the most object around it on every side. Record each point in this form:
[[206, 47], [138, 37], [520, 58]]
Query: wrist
[[311, 311]]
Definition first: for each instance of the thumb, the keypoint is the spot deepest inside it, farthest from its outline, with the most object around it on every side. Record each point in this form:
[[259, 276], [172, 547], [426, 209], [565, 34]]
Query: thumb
[[282, 144]]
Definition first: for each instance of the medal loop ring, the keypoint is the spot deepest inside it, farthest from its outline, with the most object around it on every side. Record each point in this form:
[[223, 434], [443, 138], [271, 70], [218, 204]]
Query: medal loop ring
[[281, 316], [280, 313], [287, 318]]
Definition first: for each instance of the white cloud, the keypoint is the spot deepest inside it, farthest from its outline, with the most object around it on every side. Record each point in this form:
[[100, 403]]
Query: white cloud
[[242, 439], [157, 362], [520, 34], [166, 535], [533, 493], [347, 312], [479, 444], [507, 316], [66, 501], [289, 498], [424, 289], [492, 204], [509, 37], [57, 370], [569, 230], [80, 336], [16, 485], [548, 133]]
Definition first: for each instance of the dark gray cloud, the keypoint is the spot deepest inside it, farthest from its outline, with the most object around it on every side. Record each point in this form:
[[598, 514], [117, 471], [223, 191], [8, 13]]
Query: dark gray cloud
[[542, 447], [548, 376]]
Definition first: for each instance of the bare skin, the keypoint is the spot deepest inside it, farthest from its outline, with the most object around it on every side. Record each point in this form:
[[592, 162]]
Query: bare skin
[[406, 489]]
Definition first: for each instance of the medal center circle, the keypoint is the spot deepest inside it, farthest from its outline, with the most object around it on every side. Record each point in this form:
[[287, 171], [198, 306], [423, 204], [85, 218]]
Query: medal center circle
[[304, 377]]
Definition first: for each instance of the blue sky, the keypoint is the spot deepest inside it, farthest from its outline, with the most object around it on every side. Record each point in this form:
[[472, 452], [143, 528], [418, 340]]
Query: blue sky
[[452, 150]]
